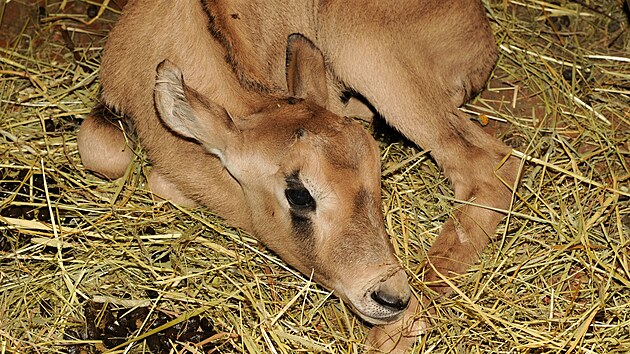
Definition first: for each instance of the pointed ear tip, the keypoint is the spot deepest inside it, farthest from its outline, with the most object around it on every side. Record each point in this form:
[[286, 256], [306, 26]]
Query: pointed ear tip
[[296, 38], [166, 70]]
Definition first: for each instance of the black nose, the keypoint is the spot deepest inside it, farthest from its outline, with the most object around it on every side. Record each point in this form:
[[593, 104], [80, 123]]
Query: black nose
[[391, 301]]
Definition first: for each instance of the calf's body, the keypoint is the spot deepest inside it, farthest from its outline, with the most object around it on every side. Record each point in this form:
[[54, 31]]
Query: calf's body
[[245, 118]]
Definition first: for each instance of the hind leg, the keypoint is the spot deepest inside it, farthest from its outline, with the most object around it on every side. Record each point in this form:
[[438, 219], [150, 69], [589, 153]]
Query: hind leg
[[102, 145], [105, 151]]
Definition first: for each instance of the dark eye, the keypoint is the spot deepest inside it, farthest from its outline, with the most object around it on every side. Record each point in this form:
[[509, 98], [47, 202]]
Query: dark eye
[[299, 198]]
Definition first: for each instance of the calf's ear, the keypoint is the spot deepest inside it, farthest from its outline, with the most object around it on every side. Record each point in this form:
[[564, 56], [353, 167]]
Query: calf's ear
[[184, 111], [306, 70]]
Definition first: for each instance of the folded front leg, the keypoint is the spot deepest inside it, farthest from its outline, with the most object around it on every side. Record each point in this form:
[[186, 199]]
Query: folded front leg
[[416, 73], [482, 174]]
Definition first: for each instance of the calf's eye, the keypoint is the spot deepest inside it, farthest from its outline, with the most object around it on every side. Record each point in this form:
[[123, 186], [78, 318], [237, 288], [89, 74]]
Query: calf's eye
[[299, 198]]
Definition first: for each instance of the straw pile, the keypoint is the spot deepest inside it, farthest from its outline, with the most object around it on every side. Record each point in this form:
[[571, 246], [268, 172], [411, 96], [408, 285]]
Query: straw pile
[[76, 248]]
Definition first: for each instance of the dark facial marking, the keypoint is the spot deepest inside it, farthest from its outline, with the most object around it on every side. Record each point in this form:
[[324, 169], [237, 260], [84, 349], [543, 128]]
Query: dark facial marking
[[302, 205], [303, 230]]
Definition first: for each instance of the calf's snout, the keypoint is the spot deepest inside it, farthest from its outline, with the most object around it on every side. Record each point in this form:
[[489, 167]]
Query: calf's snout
[[393, 301], [393, 292], [385, 298]]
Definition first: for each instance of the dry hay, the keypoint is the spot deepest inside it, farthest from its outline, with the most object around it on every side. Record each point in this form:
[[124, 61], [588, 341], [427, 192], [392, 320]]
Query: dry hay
[[556, 279]]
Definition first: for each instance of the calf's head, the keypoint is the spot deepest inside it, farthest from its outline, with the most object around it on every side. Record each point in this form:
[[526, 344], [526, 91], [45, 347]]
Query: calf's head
[[311, 180]]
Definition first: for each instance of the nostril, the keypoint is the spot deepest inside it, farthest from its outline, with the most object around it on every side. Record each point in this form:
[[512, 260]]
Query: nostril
[[394, 302]]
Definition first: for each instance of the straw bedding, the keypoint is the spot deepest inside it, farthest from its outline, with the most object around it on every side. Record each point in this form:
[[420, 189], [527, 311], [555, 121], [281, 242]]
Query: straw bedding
[[88, 264]]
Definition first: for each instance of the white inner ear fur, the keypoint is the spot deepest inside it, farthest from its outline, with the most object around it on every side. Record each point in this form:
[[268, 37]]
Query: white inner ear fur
[[178, 113]]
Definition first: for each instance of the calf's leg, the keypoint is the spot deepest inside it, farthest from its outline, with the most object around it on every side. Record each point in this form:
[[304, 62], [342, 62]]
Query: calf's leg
[[416, 66], [102, 144], [105, 151]]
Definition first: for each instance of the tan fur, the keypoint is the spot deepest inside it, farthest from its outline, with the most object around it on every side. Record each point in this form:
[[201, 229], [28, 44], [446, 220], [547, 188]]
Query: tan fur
[[163, 188], [108, 154], [416, 62]]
